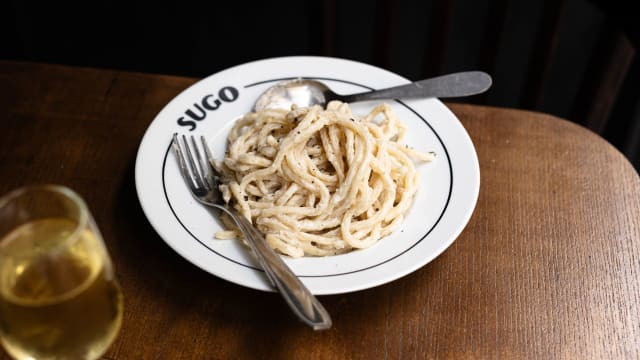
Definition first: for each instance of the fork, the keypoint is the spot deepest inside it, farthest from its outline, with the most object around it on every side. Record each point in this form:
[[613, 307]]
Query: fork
[[202, 179]]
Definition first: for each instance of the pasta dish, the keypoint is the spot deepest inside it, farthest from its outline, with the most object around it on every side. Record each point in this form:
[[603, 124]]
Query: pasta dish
[[320, 182]]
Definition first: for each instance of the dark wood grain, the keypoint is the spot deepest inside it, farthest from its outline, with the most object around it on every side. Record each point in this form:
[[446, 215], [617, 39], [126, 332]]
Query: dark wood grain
[[543, 52], [548, 266], [438, 30], [608, 67]]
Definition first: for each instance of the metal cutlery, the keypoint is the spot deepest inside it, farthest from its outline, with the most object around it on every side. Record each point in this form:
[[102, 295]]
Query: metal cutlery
[[202, 179]]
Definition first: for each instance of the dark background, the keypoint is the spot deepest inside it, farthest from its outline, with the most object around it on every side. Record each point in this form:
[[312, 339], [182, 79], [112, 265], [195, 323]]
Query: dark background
[[570, 58]]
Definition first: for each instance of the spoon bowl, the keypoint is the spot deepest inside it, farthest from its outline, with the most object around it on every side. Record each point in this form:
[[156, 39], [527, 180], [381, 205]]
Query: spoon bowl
[[307, 92], [301, 92]]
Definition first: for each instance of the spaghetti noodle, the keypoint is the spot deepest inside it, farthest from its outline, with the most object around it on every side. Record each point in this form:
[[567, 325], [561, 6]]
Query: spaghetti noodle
[[320, 182]]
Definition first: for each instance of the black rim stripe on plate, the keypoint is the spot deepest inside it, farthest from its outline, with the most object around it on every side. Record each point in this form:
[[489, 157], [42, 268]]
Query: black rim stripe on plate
[[446, 206]]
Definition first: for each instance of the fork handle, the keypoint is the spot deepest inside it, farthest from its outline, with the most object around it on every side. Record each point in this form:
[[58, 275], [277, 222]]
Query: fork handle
[[296, 294]]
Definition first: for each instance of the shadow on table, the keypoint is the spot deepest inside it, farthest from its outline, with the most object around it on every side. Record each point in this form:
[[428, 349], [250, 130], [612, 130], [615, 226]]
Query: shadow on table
[[166, 294], [167, 297]]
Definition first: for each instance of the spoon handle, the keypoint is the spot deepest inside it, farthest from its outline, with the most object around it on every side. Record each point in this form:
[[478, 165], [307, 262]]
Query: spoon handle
[[446, 86]]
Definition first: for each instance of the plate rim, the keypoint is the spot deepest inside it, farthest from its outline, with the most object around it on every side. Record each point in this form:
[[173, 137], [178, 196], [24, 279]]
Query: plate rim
[[390, 277]]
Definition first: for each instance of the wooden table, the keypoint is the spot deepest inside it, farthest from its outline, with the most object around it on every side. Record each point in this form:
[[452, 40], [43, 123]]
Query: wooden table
[[548, 267]]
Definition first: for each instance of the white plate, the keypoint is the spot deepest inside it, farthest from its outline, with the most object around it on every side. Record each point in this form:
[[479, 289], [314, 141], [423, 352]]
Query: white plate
[[442, 207]]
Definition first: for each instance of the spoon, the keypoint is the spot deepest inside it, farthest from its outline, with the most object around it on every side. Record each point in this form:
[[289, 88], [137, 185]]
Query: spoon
[[307, 92]]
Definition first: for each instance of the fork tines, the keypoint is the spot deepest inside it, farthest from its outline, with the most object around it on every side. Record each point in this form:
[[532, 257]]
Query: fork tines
[[196, 172]]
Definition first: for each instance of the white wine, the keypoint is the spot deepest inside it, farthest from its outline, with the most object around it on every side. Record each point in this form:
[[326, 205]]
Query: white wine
[[62, 305]]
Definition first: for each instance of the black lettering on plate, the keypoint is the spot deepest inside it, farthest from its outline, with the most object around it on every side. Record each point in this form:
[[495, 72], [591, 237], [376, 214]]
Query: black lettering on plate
[[208, 103]]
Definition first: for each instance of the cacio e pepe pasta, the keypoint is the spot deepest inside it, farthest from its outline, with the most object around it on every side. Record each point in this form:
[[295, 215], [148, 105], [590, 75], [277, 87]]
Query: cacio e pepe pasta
[[320, 182]]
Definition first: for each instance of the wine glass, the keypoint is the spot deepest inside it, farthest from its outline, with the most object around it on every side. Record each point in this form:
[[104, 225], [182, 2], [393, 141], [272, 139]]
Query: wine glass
[[59, 298]]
